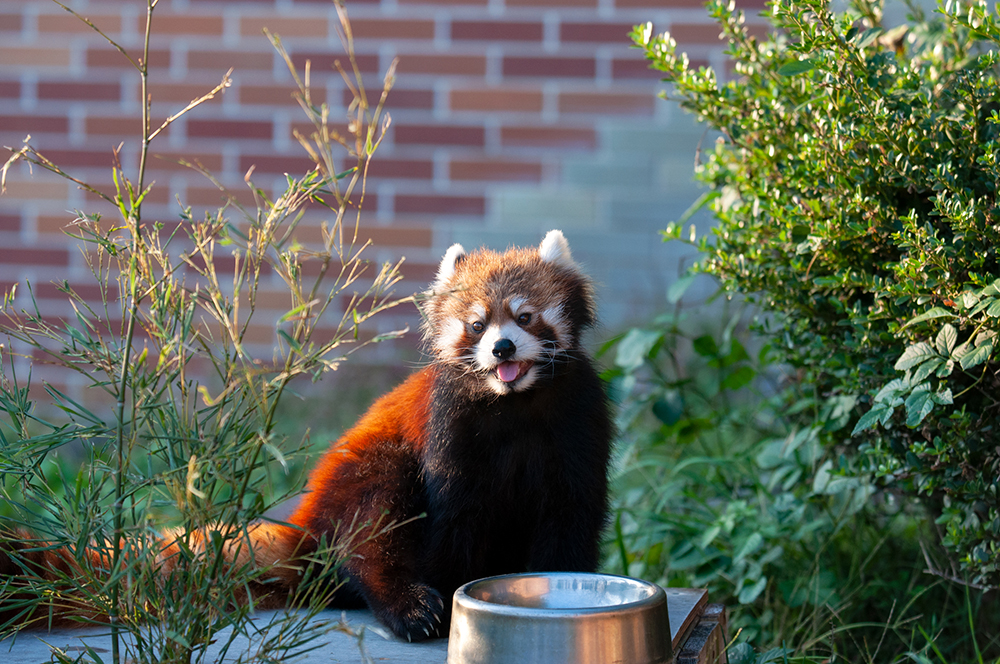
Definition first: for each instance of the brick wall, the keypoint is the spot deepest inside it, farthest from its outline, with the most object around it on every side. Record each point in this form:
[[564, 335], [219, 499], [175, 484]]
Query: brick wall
[[510, 117]]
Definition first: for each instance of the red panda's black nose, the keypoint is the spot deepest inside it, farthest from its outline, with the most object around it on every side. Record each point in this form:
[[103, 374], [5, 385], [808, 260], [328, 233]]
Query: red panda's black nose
[[503, 349]]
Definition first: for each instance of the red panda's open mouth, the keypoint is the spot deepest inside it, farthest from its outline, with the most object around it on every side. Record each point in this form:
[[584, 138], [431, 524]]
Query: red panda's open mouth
[[508, 372]]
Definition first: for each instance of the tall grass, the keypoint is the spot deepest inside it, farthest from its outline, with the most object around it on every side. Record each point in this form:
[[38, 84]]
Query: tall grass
[[183, 432]]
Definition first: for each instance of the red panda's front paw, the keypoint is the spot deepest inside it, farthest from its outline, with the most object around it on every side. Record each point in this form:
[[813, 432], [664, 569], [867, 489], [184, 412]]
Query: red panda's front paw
[[415, 615]]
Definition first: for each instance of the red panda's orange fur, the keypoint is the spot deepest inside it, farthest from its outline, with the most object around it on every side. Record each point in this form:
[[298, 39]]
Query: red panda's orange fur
[[486, 475]]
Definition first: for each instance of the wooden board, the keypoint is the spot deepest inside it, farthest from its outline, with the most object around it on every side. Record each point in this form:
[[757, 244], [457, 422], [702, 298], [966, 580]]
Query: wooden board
[[685, 606]]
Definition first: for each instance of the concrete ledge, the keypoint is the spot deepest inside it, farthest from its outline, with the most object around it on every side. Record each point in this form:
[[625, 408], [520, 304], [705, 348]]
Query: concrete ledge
[[353, 635]]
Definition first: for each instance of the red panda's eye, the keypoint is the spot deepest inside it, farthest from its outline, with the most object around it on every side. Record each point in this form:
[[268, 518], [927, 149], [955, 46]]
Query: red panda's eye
[[524, 319], [477, 326]]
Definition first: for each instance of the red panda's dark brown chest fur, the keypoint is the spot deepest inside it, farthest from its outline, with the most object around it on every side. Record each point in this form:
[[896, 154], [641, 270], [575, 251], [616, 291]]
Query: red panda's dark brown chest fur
[[502, 442]]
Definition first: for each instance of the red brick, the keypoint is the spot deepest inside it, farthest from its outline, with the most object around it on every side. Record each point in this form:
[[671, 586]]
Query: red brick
[[496, 31], [67, 23], [462, 65], [10, 90], [380, 28], [439, 135], [633, 68], [549, 67], [481, 3], [194, 24], [34, 124], [213, 197], [88, 291], [119, 126], [244, 129], [421, 273], [307, 129], [10, 22], [398, 97], [324, 61], [696, 33], [276, 95], [34, 256], [156, 195], [169, 161], [80, 91], [596, 33], [309, 234], [441, 204], [548, 137], [529, 101], [551, 3], [499, 171], [81, 158], [606, 102], [10, 223], [109, 57], [182, 93], [220, 61], [417, 169], [660, 4], [276, 164], [314, 26], [396, 236], [34, 56]]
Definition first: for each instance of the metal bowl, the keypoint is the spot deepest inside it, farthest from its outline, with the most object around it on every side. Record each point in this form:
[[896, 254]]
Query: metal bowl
[[559, 617]]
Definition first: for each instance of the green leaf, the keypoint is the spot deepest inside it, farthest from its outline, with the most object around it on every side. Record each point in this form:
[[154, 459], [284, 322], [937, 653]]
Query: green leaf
[[741, 653], [749, 594], [635, 347], [669, 408], [926, 369], [945, 369], [943, 397], [705, 346], [934, 312], [679, 287], [751, 545], [891, 390], [796, 67], [916, 354], [946, 339], [976, 356], [737, 379], [918, 405], [869, 36], [872, 417]]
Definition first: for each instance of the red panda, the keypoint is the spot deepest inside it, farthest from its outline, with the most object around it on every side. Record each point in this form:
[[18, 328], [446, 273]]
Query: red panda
[[493, 457]]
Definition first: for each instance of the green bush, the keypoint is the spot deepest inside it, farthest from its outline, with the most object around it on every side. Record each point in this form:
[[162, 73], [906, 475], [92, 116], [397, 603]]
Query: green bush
[[727, 481], [855, 187]]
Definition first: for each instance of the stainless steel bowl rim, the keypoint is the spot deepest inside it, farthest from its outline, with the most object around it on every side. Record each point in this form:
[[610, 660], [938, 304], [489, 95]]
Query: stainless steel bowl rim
[[658, 595]]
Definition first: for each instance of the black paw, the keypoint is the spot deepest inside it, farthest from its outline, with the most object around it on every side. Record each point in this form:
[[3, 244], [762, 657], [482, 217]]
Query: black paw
[[420, 613]]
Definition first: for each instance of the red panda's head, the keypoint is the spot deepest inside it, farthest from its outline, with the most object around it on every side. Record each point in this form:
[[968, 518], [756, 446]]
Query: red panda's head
[[508, 319]]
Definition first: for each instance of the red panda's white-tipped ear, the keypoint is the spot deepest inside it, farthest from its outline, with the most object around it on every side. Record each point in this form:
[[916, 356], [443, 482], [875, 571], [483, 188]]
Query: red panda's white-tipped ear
[[555, 249], [446, 271]]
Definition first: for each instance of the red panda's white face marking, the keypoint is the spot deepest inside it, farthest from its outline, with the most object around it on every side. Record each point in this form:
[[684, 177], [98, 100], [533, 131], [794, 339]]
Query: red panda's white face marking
[[507, 320], [507, 350]]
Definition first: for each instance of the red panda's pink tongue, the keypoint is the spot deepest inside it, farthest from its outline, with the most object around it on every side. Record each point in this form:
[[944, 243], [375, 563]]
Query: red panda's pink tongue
[[508, 371]]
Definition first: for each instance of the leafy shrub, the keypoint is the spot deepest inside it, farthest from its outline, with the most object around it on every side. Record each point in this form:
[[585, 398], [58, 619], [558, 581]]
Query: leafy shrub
[[728, 481], [855, 187], [180, 427]]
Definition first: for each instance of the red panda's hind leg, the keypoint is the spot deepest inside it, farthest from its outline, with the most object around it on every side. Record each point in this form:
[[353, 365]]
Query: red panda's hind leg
[[375, 502]]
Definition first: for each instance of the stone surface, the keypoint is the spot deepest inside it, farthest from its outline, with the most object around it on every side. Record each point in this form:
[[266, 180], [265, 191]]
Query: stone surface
[[685, 606]]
